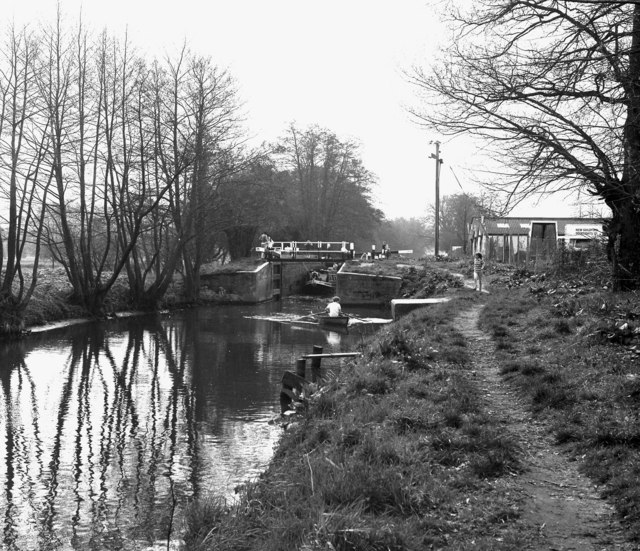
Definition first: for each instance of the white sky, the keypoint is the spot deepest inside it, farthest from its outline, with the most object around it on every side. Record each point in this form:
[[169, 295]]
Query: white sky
[[335, 63]]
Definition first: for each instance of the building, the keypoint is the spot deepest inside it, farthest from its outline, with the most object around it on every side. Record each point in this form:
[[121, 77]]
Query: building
[[520, 240]]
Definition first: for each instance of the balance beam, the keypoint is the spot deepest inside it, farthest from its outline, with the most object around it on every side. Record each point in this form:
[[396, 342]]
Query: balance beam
[[333, 355]]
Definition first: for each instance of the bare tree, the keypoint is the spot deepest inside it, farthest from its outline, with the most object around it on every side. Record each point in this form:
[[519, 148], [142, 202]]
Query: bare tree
[[114, 163], [196, 133], [97, 157], [214, 110], [23, 180], [552, 87]]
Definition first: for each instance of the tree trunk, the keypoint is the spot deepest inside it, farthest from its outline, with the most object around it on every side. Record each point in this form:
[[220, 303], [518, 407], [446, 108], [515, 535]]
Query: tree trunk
[[239, 240], [191, 286], [624, 246], [11, 316], [624, 251]]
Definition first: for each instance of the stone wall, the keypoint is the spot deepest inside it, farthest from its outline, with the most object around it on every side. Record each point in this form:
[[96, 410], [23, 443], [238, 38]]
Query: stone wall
[[249, 286], [354, 288], [294, 277], [267, 281]]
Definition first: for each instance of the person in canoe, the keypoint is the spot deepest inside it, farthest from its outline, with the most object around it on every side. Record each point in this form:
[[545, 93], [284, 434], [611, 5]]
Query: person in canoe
[[333, 308]]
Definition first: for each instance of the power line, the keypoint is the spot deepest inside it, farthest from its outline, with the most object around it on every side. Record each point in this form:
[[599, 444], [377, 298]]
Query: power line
[[456, 177]]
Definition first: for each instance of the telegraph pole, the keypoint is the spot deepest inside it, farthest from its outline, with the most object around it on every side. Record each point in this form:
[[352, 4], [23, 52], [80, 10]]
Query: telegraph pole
[[439, 161]]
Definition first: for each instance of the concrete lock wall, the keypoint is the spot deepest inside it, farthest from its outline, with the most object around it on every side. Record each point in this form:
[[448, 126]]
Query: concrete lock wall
[[294, 277], [353, 288], [249, 286], [261, 284]]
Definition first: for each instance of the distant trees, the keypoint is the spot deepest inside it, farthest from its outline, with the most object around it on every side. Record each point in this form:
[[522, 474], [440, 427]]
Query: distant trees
[[250, 203], [309, 185], [552, 87], [403, 234], [456, 212], [329, 189]]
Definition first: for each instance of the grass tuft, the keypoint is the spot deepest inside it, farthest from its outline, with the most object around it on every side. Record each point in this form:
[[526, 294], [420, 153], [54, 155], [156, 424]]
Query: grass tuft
[[549, 395], [562, 327]]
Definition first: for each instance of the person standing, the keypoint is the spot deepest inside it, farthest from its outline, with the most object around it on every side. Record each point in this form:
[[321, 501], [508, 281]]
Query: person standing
[[478, 266], [264, 243]]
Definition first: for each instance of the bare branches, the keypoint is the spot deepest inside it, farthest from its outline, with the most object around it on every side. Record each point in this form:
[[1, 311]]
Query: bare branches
[[549, 80], [107, 158], [553, 88]]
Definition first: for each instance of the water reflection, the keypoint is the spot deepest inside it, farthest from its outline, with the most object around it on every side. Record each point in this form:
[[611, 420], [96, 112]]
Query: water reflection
[[109, 430], [334, 338]]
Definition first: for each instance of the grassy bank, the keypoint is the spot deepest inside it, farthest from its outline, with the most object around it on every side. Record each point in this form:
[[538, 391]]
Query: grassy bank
[[51, 300], [573, 349], [396, 452]]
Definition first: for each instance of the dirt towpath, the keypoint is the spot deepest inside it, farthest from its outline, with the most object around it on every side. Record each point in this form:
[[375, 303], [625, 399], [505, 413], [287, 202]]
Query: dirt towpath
[[562, 504]]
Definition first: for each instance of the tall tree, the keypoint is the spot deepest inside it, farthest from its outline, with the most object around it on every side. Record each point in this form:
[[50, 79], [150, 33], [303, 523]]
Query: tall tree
[[553, 88], [215, 113], [331, 187], [101, 196], [250, 203], [196, 138], [24, 181]]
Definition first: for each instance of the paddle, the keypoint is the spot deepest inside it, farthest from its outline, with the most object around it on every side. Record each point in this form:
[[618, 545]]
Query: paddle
[[355, 317], [310, 315]]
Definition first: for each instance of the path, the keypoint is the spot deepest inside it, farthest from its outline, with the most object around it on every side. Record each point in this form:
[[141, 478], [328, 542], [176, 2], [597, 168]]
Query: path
[[562, 503]]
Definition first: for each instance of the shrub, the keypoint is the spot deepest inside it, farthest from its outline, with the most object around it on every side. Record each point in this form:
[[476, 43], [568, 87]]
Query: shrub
[[562, 327]]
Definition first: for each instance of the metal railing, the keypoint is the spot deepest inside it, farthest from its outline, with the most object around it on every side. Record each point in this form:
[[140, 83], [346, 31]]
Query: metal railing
[[303, 250]]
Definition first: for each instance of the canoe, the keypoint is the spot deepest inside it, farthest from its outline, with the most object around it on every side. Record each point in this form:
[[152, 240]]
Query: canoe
[[328, 321]]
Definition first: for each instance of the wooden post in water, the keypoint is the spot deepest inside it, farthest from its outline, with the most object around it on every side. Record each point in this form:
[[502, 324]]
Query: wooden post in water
[[315, 364], [301, 366]]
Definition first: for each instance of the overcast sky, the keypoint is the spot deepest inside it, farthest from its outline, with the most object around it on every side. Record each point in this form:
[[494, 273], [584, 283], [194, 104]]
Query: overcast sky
[[335, 63]]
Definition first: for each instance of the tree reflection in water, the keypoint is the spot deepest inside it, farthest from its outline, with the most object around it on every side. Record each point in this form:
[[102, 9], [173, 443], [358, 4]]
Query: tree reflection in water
[[90, 456], [108, 431]]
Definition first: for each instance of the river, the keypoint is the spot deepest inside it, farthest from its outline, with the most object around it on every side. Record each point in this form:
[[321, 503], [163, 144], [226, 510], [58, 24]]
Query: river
[[108, 430]]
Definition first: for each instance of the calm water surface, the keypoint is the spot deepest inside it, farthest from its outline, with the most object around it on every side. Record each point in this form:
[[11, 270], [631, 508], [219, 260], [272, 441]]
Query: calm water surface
[[108, 430]]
